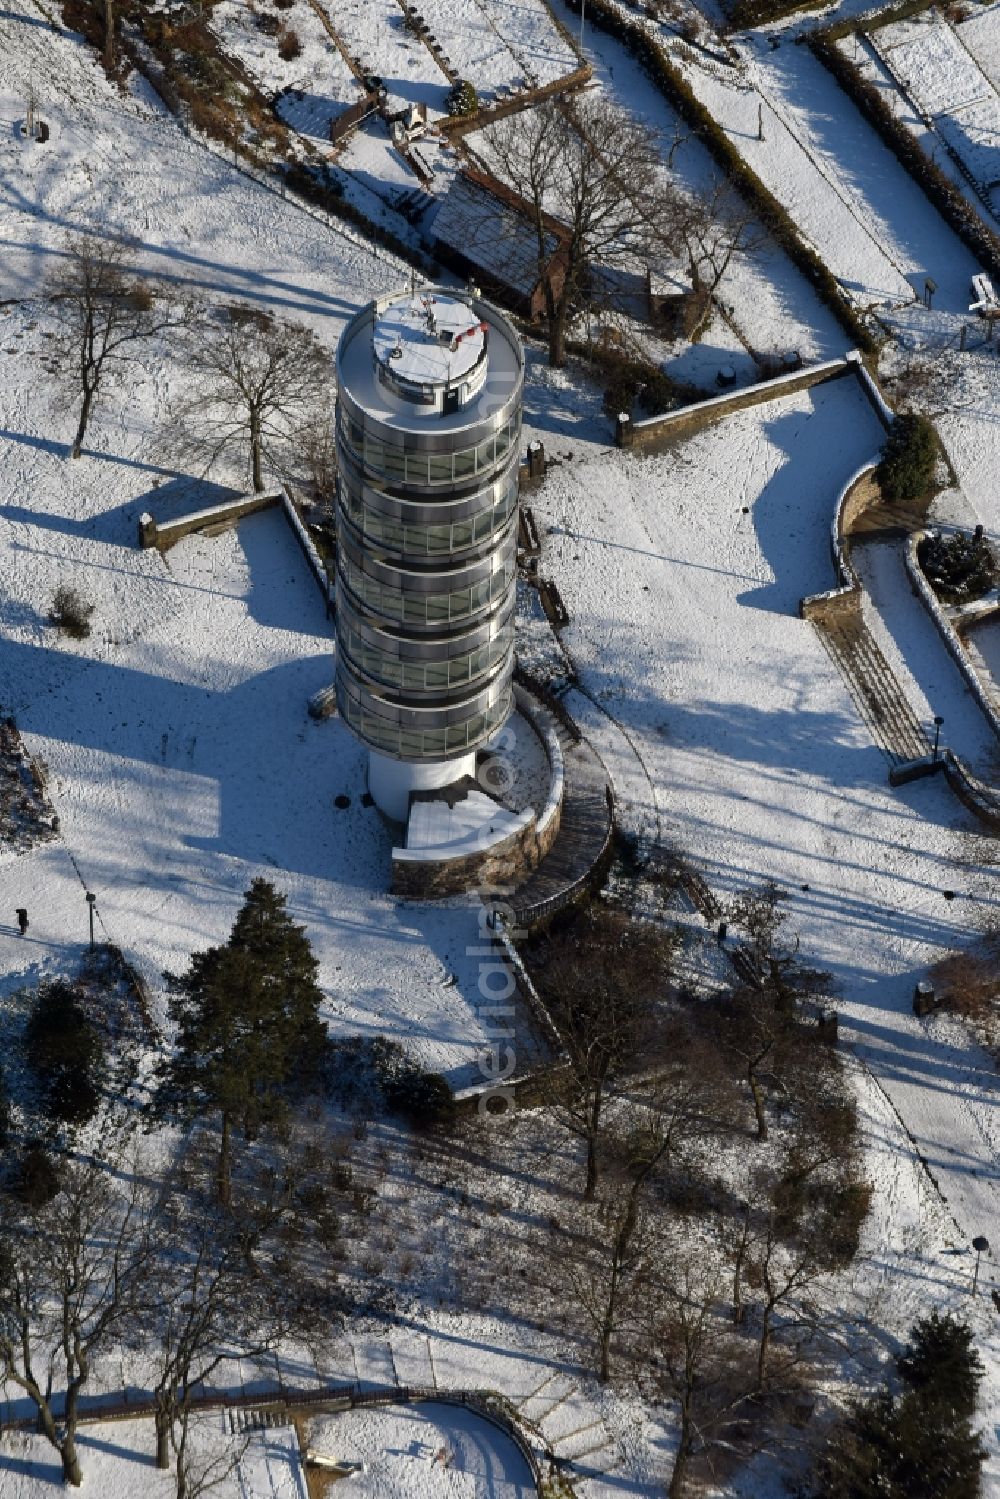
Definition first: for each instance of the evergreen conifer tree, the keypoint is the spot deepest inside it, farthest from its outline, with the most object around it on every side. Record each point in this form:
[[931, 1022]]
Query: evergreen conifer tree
[[919, 1444], [247, 1018]]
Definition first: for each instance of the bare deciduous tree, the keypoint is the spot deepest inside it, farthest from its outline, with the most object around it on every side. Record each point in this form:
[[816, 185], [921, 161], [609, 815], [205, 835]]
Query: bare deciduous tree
[[714, 227], [70, 1274], [701, 1364], [601, 978], [258, 391], [597, 172], [759, 1021], [104, 312]]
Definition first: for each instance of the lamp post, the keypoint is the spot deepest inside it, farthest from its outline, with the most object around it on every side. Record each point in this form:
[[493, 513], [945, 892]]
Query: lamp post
[[938, 721], [583, 7], [981, 1245], [91, 903]]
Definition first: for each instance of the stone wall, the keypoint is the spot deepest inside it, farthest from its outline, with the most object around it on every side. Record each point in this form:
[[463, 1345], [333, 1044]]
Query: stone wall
[[164, 536], [508, 860], [657, 432], [505, 861], [860, 491], [948, 633]]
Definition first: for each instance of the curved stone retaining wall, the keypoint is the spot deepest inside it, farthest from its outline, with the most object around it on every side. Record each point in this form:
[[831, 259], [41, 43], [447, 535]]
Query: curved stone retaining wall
[[503, 860], [860, 491], [947, 631]]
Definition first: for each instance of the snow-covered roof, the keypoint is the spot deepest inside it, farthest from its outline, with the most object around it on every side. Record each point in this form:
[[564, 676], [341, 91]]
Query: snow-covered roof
[[488, 225], [428, 338]]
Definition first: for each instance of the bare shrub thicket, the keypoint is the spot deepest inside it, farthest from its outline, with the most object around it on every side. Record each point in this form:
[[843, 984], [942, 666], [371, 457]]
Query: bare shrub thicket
[[71, 612]]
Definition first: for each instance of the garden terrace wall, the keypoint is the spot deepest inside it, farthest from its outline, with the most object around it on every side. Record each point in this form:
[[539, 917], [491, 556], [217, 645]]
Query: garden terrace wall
[[675, 88], [948, 199], [451, 869], [673, 426], [169, 533], [860, 491], [463, 124], [922, 588]]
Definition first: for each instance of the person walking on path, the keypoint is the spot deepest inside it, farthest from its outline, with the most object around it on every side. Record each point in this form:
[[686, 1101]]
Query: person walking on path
[[22, 919]]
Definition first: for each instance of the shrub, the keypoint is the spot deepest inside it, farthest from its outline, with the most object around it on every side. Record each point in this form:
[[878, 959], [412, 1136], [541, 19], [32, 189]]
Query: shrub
[[65, 1053], [289, 46], [958, 567], [462, 99], [909, 456], [918, 1444], [70, 612], [969, 982], [423, 1098], [36, 1180]]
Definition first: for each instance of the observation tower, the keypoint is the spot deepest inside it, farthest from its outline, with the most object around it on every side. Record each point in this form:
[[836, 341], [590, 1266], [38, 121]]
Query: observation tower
[[428, 441]]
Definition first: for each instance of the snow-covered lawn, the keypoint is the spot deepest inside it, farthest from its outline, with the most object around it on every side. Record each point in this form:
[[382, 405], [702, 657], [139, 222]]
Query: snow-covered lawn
[[684, 625], [932, 64], [183, 763], [865, 215], [774, 307], [980, 32], [117, 1461], [202, 226], [497, 46]]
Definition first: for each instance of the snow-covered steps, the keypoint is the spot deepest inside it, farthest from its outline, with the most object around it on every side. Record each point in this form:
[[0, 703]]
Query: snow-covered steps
[[876, 693]]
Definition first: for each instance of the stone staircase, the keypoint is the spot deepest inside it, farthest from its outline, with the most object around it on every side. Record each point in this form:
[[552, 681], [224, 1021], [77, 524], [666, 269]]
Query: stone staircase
[[881, 702], [585, 828]]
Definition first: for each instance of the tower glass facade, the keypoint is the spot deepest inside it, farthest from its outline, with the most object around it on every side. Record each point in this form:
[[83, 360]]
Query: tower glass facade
[[428, 441]]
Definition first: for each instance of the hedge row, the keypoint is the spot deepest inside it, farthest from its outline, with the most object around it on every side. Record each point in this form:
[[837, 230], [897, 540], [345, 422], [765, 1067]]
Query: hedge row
[[678, 92], [948, 199], [874, 19], [746, 14]]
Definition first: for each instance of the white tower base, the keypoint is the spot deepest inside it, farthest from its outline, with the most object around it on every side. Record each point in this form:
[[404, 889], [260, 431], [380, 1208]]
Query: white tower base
[[391, 781]]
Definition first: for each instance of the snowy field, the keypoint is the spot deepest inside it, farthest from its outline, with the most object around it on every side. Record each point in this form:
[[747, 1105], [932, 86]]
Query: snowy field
[[935, 65], [775, 310], [204, 228], [374, 34], [760, 764], [183, 764], [117, 1460], [936, 69], [182, 761], [499, 46], [846, 191]]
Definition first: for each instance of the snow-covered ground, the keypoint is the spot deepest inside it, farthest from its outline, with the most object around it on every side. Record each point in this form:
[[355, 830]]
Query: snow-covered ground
[[422, 1452], [319, 74], [760, 763], [937, 66], [203, 228], [980, 32], [182, 761], [117, 1461], [374, 34], [849, 195]]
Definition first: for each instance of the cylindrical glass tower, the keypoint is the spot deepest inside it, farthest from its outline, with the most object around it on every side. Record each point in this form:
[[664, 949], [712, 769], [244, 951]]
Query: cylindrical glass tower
[[428, 428]]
